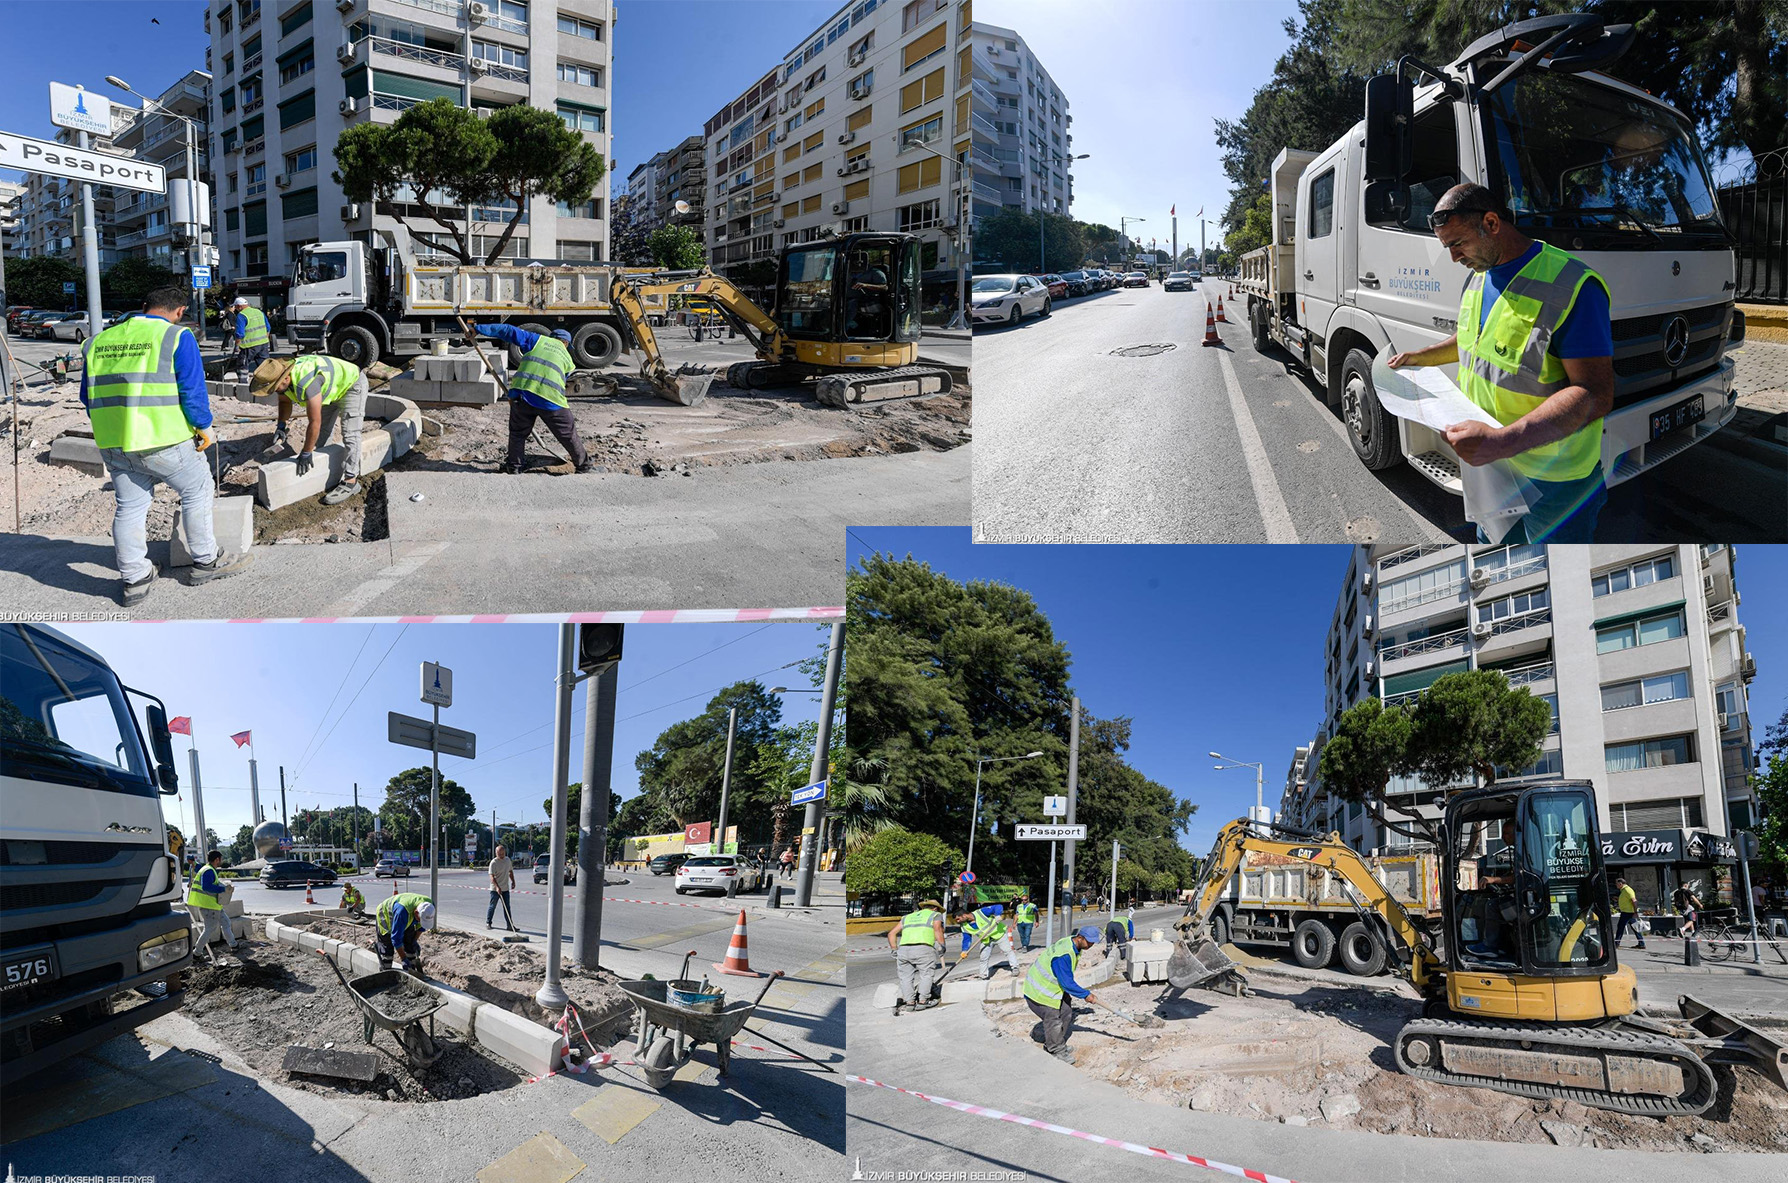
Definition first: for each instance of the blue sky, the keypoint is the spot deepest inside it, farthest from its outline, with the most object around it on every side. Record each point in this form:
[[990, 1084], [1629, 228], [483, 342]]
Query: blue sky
[[282, 682], [1219, 648]]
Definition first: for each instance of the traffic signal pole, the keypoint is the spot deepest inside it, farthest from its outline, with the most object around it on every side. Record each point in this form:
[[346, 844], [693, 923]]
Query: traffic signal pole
[[816, 810]]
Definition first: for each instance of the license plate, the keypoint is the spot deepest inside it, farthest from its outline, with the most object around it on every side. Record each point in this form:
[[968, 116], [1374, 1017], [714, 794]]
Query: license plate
[[19, 970], [1691, 410]]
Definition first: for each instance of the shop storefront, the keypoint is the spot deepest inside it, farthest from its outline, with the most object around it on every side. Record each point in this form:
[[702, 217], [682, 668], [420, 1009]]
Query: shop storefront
[[1656, 862]]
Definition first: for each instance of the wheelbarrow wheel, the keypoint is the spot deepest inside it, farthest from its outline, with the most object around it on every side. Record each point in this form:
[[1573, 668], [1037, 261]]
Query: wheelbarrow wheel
[[419, 1046]]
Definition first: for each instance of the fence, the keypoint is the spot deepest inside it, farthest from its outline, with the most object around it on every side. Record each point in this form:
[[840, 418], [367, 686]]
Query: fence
[[1754, 205]]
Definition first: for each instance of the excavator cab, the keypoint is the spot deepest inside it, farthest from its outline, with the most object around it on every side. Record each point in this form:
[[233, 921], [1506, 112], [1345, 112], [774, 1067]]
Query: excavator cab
[[851, 301]]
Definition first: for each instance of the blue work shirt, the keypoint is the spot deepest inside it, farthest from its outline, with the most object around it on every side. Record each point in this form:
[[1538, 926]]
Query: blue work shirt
[[1064, 974], [208, 883], [400, 925], [189, 376], [1586, 331], [989, 910], [524, 341]]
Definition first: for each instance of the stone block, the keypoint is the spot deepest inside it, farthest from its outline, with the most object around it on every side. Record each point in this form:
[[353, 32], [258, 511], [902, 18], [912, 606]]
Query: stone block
[[426, 368], [415, 388], [365, 961], [461, 1011], [344, 956], [77, 452], [529, 1046], [403, 422], [280, 485], [310, 942], [274, 929], [481, 393], [232, 524]]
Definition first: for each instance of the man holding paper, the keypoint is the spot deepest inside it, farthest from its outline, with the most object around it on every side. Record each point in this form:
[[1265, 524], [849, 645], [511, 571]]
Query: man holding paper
[[1535, 349]]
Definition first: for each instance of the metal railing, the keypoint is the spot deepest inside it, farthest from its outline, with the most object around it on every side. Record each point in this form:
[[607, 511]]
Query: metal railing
[[440, 6], [133, 238], [1527, 619], [1754, 206], [507, 24], [249, 65], [254, 146], [252, 105], [404, 51], [1528, 674], [1410, 555], [1515, 570], [393, 102], [1431, 644], [1722, 613], [983, 124], [507, 73]]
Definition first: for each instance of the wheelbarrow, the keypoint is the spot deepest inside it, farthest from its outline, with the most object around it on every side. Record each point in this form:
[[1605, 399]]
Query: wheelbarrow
[[417, 1042], [670, 1030]]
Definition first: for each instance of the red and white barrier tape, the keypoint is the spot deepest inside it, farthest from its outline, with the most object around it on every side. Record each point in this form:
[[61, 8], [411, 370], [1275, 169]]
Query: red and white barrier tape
[[1132, 1147], [662, 616]]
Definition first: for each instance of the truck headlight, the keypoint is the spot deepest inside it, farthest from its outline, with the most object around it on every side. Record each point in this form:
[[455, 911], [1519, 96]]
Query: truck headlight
[[165, 949]]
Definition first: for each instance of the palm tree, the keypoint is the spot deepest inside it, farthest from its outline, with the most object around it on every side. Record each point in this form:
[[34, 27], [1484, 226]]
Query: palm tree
[[864, 795]]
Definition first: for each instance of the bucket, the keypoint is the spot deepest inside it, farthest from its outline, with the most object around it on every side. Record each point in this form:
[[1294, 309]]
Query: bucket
[[690, 994], [440, 349]]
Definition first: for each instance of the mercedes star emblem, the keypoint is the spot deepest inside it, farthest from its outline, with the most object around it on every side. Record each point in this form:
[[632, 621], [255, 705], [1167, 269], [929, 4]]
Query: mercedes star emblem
[[1676, 341]]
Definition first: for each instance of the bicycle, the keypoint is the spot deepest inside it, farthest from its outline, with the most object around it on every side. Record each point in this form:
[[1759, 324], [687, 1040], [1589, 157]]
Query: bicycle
[[1726, 935], [701, 325]]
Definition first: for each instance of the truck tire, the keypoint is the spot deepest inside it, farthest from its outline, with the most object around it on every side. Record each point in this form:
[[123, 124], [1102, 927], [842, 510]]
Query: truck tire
[[1362, 953], [1221, 930], [1313, 944], [1257, 320], [595, 346], [515, 353], [1372, 429], [355, 345]]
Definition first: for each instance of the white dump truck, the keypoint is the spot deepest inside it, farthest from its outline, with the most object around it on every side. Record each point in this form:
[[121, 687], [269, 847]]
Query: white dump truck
[[91, 944], [1587, 163]]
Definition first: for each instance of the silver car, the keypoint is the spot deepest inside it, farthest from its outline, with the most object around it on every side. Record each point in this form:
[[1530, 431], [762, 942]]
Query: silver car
[[1007, 299], [725, 873]]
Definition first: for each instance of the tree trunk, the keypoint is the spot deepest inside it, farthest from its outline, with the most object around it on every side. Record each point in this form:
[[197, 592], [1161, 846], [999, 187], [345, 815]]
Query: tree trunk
[[1756, 120], [521, 207], [779, 832]]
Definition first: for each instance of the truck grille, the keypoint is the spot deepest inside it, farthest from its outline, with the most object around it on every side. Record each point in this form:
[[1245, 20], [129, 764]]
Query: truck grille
[[62, 853], [1640, 370], [63, 987], [18, 896]]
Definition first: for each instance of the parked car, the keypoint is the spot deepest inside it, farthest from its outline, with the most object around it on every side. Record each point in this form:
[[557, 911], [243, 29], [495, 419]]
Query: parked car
[[1107, 279], [1177, 281], [728, 874], [15, 313], [296, 873], [1079, 282], [1137, 279], [543, 869], [1058, 287], [1007, 298], [74, 328], [28, 323], [45, 329], [390, 869], [665, 864]]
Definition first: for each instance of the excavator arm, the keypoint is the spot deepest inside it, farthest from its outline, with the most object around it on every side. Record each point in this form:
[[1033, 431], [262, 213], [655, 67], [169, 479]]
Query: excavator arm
[[689, 386]]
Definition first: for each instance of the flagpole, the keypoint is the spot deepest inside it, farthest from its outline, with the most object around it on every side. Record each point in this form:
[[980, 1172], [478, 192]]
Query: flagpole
[[198, 799]]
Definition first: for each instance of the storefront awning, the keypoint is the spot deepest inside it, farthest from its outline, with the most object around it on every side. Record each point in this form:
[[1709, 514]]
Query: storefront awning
[[1625, 847]]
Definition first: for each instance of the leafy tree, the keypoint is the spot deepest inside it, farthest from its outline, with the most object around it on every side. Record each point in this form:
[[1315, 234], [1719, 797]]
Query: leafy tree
[[863, 801], [38, 282], [676, 248], [242, 848], [683, 767], [898, 861], [133, 278], [628, 233], [1010, 238], [405, 811], [1770, 783], [640, 815], [760, 275]]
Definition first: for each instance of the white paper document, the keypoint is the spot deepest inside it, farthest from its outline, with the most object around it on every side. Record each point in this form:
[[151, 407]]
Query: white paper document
[[1496, 494]]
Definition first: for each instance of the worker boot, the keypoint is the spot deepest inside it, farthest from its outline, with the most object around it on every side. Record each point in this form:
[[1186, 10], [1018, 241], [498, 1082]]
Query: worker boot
[[225, 563], [1064, 1054], [136, 592], [341, 492]]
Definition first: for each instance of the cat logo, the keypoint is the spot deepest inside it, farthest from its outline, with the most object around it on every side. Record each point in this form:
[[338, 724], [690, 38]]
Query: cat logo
[[1303, 852], [686, 287]]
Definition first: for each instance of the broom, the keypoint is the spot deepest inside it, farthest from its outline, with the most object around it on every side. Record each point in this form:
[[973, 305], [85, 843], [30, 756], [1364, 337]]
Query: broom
[[513, 938]]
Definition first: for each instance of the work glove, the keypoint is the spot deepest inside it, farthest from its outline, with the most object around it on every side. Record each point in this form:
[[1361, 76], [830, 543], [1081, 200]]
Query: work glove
[[201, 439], [304, 461], [279, 434]]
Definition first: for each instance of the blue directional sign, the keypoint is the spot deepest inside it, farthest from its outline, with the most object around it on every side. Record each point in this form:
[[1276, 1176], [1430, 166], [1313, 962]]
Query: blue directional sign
[[68, 287], [813, 792], [201, 276]]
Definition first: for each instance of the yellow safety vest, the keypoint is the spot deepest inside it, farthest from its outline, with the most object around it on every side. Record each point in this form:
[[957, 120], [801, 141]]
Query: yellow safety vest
[[411, 901], [543, 371], [1505, 369], [984, 928], [1027, 913], [207, 898], [255, 334], [1040, 985], [916, 927], [132, 398], [316, 374]]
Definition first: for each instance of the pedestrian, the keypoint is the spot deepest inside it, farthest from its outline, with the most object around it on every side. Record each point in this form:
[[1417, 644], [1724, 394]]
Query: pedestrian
[[254, 338], [1027, 920], [1535, 347], [1050, 986], [987, 927], [788, 862], [402, 920], [1626, 905], [917, 943], [143, 384], [538, 392], [502, 881], [352, 901], [331, 391], [1688, 905], [204, 901]]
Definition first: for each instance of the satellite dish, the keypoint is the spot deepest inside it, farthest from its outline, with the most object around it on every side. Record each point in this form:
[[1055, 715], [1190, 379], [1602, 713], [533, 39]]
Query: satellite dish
[[682, 207]]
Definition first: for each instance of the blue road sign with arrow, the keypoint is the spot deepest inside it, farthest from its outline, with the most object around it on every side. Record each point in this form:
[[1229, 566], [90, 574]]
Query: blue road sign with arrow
[[813, 792]]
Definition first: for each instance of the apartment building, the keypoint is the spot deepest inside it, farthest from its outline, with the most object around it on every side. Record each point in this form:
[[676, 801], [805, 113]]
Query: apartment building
[[289, 81], [1638, 650], [143, 223], [864, 125], [680, 175], [12, 198], [1023, 148], [49, 209]]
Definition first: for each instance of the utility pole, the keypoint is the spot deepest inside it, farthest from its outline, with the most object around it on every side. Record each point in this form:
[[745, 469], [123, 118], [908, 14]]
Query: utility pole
[[816, 810], [90, 256], [285, 819], [1073, 796], [592, 826], [356, 823], [1114, 862], [198, 798], [726, 774], [434, 808], [551, 996]]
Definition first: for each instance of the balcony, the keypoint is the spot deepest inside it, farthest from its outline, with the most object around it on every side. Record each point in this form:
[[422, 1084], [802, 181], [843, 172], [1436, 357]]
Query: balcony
[[1413, 553], [504, 23], [442, 7], [133, 238], [1722, 616], [251, 65], [983, 126], [1527, 675], [985, 191], [1429, 595], [1431, 644], [1524, 620], [252, 105], [417, 53]]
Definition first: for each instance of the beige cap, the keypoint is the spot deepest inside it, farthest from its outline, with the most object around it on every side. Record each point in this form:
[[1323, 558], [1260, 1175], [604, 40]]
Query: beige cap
[[267, 374]]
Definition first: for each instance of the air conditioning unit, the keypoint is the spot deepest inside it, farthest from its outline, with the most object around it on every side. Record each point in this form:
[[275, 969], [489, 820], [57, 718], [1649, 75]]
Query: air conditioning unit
[[1481, 630], [950, 223], [344, 5], [283, 180], [351, 212], [861, 164], [859, 93], [1367, 625], [849, 137], [1366, 583], [477, 13], [843, 170], [1480, 576], [344, 53], [1725, 720], [348, 106], [993, 51], [483, 112], [1371, 669], [857, 59], [841, 207], [478, 65], [779, 223]]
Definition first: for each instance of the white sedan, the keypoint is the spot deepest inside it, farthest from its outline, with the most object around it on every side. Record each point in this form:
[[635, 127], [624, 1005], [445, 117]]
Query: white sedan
[[726, 873], [1007, 299], [74, 328]]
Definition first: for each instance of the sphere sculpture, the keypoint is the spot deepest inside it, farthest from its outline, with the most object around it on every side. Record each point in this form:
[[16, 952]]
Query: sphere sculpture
[[268, 836]]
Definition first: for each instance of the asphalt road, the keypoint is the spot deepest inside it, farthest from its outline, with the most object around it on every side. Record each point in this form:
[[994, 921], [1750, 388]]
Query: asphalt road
[[1193, 444]]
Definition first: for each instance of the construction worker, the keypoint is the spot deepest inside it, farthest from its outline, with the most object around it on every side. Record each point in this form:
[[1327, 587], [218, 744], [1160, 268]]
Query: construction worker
[[352, 900], [538, 392], [331, 390], [988, 927], [1050, 985], [204, 901], [254, 339], [917, 942], [143, 385], [1027, 920], [1535, 349], [402, 919]]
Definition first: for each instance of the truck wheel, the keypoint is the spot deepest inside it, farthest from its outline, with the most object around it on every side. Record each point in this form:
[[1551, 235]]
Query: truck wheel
[[1312, 944], [1372, 429], [595, 346], [355, 345], [1257, 319], [1220, 929], [1361, 951]]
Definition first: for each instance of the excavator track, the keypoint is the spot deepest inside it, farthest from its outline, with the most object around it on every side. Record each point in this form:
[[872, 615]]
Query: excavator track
[[1604, 1068], [879, 387]]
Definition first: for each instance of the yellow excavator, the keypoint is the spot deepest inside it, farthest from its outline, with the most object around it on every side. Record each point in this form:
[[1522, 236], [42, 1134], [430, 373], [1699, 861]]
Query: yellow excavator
[[1522, 987], [847, 320]]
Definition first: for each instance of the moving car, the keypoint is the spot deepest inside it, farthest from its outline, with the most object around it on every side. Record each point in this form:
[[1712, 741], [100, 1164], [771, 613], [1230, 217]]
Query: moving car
[[1180, 280], [729, 874], [388, 869], [74, 328], [1007, 298], [664, 864], [1079, 282], [1137, 279], [296, 873], [543, 869]]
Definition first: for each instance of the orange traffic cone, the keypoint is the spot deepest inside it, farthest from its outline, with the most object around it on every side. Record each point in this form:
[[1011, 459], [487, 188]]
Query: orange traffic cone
[[1232, 291], [308, 897], [1221, 319], [738, 962], [394, 885], [1210, 328]]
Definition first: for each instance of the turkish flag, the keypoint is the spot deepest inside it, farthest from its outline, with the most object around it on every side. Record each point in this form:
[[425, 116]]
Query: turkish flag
[[1173, 211], [243, 737], [181, 726]]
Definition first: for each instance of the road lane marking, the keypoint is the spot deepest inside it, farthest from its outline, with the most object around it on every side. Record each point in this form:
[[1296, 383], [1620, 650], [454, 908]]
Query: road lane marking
[[678, 935], [351, 603], [1266, 489]]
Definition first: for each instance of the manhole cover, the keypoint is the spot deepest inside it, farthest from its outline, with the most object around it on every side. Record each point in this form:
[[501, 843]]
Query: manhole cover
[[1141, 350]]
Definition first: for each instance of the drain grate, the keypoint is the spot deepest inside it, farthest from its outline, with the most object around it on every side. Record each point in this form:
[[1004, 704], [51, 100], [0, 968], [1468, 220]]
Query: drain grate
[[1141, 350]]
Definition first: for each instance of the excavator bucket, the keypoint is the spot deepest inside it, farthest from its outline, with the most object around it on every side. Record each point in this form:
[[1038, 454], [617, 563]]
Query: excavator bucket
[[1728, 1039], [1197, 961], [686, 386]]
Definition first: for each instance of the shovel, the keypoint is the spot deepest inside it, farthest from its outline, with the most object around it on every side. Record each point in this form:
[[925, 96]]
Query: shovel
[[513, 938], [1144, 1021]]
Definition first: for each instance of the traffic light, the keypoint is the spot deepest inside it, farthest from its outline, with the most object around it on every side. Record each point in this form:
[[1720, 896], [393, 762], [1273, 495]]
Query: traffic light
[[598, 645]]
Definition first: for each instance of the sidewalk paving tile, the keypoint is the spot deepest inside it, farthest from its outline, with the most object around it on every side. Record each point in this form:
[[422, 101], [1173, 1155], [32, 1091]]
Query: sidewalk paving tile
[[693, 1071], [614, 1111], [541, 1159], [102, 1081]]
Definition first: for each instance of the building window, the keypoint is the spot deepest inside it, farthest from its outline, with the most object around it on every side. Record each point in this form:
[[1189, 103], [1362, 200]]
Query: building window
[[579, 252], [1729, 699], [297, 67], [1511, 561], [858, 119], [1510, 606], [795, 121], [582, 75], [503, 55], [582, 118], [483, 243], [576, 28], [813, 141], [1671, 813], [923, 132], [812, 174], [1637, 575], [300, 161], [257, 179], [920, 175], [920, 216], [588, 209], [862, 84], [814, 109], [1648, 753], [232, 219], [1647, 630], [810, 204], [1639, 692], [296, 19], [926, 90], [232, 182], [298, 110], [301, 204], [814, 79]]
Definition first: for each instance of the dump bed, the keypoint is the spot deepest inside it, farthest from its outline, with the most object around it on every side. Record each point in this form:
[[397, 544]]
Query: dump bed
[[506, 289], [1270, 270], [1275, 881]]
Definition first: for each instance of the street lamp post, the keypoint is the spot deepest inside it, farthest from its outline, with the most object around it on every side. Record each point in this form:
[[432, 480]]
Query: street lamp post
[[192, 197], [975, 812], [1043, 267], [1259, 802], [1124, 235], [960, 320]]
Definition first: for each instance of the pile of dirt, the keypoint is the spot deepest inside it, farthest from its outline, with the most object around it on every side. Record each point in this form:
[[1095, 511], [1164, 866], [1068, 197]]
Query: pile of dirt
[[279, 996], [1318, 1055]]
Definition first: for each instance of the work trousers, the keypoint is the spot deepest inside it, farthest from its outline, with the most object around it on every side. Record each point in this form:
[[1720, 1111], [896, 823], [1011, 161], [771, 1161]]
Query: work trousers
[[388, 952], [180, 466], [217, 925], [1004, 944], [918, 969], [491, 911], [1058, 1022], [350, 411], [522, 415], [1024, 934], [249, 359]]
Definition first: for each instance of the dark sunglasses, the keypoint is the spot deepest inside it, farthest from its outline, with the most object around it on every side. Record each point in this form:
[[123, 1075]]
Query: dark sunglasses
[[1439, 218]]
